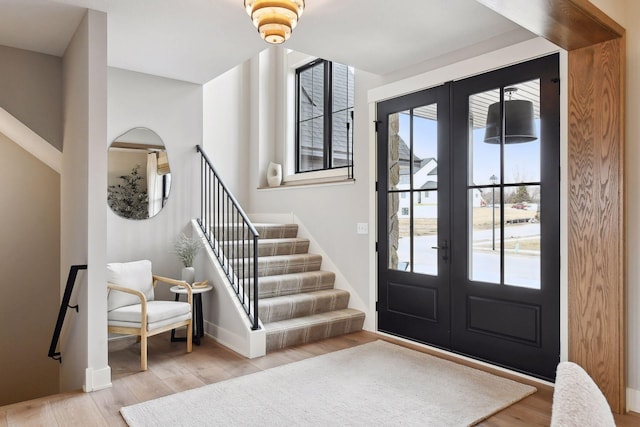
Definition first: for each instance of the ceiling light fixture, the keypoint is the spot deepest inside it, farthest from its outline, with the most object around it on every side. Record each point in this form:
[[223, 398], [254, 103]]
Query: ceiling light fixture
[[274, 19], [518, 117]]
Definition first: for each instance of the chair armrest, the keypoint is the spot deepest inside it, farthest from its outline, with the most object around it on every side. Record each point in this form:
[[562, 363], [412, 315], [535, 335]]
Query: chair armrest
[[143, 302], [175, 282], [135, 292]]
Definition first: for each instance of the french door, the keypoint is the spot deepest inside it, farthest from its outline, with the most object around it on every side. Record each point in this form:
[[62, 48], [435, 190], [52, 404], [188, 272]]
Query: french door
[[468, 217], [413, 204]]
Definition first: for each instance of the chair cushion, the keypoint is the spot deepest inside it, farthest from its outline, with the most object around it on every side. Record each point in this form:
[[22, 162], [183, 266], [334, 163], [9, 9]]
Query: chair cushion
[[159, 313], [577, 400], [133, 275]]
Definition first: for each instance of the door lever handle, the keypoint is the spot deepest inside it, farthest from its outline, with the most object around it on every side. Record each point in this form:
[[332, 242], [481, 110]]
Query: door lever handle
[[445, 248]]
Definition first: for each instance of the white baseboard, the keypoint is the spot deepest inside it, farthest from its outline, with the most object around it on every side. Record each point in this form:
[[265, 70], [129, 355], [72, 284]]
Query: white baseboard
[[97, 379], [238, 343], [633, 400]]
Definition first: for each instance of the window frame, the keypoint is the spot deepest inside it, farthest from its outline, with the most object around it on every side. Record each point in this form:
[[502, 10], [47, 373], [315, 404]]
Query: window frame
[[327, 117]]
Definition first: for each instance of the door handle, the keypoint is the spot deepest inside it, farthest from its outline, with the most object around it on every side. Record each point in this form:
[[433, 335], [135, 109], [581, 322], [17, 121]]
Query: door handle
[[445, 248]]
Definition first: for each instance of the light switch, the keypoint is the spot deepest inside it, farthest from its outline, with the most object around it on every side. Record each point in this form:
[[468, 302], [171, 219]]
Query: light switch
[[363, 228]]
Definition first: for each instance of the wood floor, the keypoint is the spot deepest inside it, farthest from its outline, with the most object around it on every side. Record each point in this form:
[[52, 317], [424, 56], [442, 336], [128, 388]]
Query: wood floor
[[172, 370]]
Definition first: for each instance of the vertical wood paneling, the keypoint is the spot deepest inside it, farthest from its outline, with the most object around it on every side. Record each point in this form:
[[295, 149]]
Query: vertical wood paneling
[[596, 250]]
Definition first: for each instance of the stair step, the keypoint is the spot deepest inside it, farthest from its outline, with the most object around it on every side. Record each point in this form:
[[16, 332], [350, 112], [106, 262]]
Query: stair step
[[268, 247], [301, 330], [295, 283], [298, 305], [282, 246], [287, 264], [276, 231]]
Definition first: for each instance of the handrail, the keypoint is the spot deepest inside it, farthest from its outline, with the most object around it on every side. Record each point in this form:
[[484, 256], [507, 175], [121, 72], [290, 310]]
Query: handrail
[[71, 279], [227, 229]]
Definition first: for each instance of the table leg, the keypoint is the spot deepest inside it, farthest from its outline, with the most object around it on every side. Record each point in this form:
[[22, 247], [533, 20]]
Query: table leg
[[196, 318], [173, 331]]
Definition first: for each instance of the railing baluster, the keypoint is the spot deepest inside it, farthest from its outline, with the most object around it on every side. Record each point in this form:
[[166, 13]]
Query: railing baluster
[[231, 236]]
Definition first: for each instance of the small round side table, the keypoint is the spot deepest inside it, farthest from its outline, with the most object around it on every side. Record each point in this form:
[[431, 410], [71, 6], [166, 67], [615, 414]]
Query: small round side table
[[198, 325]]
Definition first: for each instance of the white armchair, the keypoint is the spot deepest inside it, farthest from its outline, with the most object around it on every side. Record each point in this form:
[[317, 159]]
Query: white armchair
[[133, 310]]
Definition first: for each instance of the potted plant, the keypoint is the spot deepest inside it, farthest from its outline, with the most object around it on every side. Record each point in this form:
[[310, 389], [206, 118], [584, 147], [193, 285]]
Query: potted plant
[[187, 248]]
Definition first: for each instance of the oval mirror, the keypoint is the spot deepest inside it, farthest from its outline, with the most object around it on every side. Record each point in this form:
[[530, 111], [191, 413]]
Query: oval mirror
[[139, 176]]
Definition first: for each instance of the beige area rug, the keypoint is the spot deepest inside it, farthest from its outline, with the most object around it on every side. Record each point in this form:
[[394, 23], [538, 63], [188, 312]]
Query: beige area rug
[[373, 384]]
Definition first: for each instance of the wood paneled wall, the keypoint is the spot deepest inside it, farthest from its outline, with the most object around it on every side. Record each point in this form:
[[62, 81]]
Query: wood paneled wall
[[596, 232], [597, 307]]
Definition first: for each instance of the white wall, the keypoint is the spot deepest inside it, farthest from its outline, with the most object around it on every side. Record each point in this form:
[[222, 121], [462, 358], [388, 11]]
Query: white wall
[[226, 127], [172, 109], [83, 217]]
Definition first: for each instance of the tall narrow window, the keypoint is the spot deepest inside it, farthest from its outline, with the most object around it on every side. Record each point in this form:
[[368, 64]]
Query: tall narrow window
[[324, 116]]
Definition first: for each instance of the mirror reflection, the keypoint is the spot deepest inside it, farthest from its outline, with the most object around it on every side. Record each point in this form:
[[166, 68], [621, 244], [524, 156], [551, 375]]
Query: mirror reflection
[[139, 176]]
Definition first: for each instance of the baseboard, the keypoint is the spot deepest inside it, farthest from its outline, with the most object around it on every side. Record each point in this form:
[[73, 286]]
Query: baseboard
[[235, 342], [633, 400], [97, 379]]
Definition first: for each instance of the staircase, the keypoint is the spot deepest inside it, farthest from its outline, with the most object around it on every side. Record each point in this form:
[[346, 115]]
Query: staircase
[[297, 301]]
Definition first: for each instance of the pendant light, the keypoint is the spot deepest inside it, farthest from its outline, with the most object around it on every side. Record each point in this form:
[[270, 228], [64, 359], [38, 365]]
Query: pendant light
[[274, 19], [519, 121]]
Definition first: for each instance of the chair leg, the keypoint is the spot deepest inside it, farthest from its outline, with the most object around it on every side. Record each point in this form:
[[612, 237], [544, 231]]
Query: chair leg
[[143, 352], [190, 336]]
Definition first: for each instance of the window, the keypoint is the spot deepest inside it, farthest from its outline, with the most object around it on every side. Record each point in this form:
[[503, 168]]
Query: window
[[324, 116]]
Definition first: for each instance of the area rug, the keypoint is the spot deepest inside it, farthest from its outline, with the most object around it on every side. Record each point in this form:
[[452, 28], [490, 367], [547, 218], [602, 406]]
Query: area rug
[[372, 384]]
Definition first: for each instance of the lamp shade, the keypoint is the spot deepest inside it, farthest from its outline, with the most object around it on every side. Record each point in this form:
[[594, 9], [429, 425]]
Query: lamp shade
[[519, 122], [274, 19]]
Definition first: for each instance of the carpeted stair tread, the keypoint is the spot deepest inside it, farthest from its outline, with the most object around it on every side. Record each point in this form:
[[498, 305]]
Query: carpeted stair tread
[[282, 246], [287, 264], [306, 329], [304, 304], [276, 231], [269, 247], [287, 284]]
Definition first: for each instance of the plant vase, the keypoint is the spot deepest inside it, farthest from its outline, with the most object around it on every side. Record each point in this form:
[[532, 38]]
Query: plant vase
[[274, 174], [188, 274]]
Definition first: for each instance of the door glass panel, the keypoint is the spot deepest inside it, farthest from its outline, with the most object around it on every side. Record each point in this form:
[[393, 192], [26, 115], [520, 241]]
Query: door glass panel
[[484, 235], [484, 157], [522, 236], [522, 158], [399, 152], [399, 229], [425, 147], [425, 232]]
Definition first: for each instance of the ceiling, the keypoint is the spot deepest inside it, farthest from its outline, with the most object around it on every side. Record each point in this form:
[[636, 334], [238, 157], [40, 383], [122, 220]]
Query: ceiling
[[197, 40]]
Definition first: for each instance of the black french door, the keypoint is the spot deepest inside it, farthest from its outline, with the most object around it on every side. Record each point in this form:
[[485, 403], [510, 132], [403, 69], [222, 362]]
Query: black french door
[[468, 217], [413, 208]]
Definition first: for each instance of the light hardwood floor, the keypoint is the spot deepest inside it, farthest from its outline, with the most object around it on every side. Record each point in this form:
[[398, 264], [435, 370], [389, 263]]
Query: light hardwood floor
[[172, 370]]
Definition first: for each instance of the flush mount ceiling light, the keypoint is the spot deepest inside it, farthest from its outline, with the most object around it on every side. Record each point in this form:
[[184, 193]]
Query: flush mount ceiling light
[[274, 19], [518, 121]]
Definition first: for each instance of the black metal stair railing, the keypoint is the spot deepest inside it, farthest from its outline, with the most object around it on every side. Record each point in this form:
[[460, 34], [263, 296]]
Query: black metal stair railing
[[64, 305], [231, 236]]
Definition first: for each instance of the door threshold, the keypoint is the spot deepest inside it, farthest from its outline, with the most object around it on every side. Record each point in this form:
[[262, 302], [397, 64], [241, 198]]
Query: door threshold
[[468, 361]]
